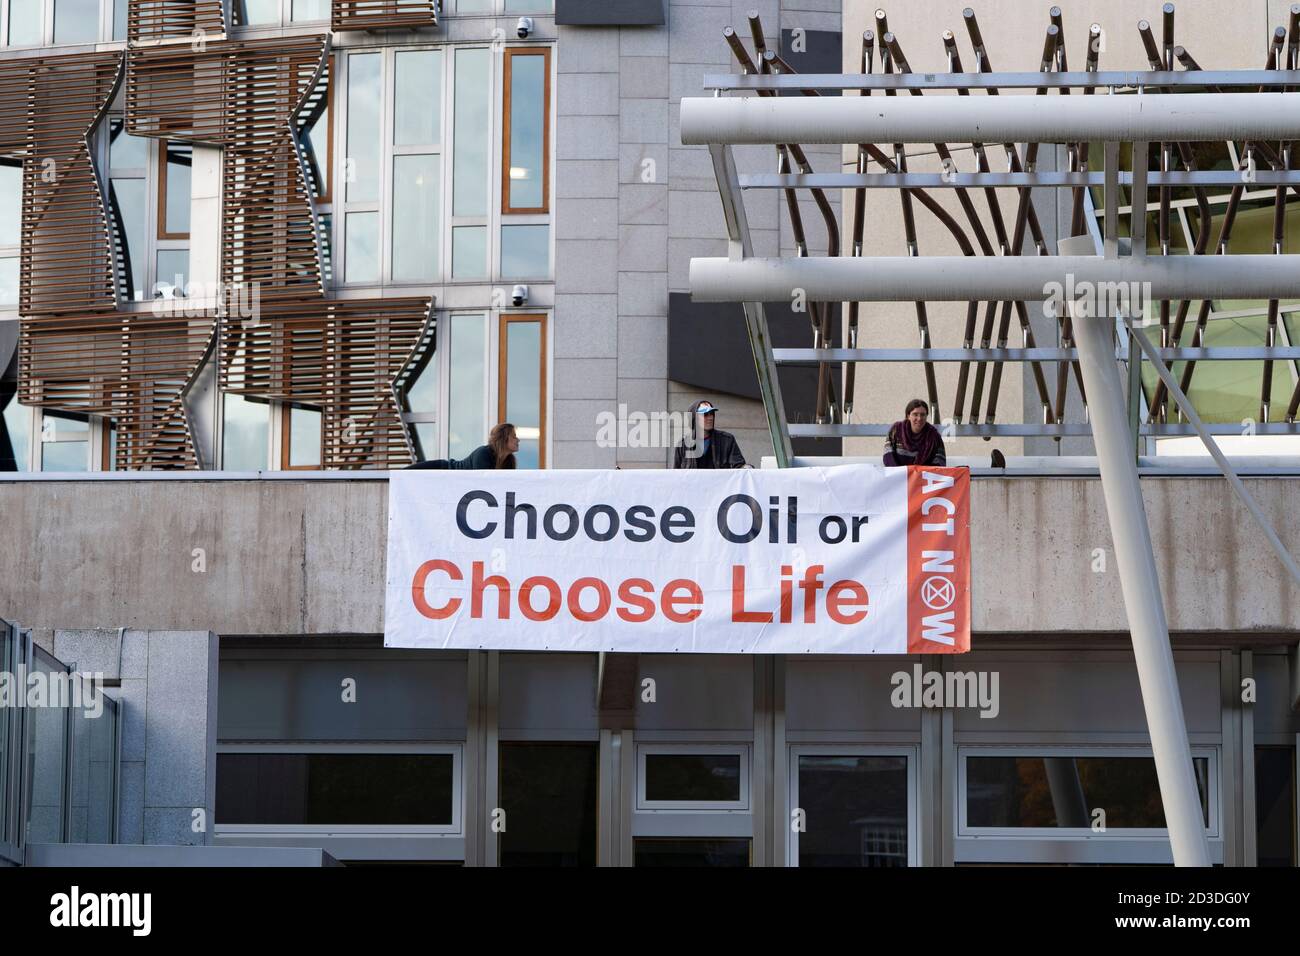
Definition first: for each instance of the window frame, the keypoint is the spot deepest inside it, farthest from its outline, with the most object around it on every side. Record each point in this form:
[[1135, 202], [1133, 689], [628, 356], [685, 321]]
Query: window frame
[[744, 805], [1214, 830], [163, 160], [909, 752], [503, 372], [285, 18], [105, 33], [453, 829], [508, 56], [286, 437]]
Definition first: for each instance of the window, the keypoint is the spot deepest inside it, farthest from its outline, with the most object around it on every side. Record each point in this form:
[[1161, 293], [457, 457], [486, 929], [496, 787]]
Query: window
[[297, 787], [687, 777], [857, 808], [65, 442], [549, 793], [275, 13], [149, 199], [464, 7], [15, 432], [1275, 806], [11, 219], [245, 434], [29, 23], [1006, 790], [420, 201], [300, 444], [522, 397]]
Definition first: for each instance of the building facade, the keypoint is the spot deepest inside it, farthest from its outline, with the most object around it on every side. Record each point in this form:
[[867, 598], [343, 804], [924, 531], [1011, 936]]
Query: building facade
[[255, 254]]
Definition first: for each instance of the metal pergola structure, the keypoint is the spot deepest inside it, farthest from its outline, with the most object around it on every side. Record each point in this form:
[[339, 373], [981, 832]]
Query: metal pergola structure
[[1255, 112]]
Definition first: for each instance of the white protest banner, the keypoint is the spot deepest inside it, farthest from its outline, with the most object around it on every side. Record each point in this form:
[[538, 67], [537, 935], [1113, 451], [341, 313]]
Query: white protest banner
[[854, 559]]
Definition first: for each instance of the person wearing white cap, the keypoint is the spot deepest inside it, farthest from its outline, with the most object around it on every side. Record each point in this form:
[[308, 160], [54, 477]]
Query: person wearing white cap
[[706, 446]]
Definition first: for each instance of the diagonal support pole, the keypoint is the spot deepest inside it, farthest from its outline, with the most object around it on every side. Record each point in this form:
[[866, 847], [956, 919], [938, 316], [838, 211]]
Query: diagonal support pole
[[1140, 583]]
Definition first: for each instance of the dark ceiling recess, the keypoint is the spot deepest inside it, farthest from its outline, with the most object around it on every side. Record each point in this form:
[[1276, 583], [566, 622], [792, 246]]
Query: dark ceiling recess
[[609, 13], [813, 51], [708, 349]]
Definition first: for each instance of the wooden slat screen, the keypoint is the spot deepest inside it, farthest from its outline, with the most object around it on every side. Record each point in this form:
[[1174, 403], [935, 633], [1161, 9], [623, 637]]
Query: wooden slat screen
[[383, 14], [153, 20]]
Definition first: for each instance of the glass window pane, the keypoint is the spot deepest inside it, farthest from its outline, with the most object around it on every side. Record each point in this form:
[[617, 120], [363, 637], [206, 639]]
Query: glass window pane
[[15, 440], [473, 6], [128, 199], [416, 223], [467, 417], [1063, 791], [525, 252], [365, 97], [257, 12], [318, 147], [76, 21], [422, 396], [1275, 808], [691, 852], [427, 433], [523, 407], [46, 794], [120, 8], [306, 10], [417, 115], [529, 6], [126, 152], [94, 754], [11, 204], [362, 247], [65, 443], [469, 252], [9, 281], [343, 789], [180, 157], [473, 114], [549, 794], [25, 23], [304, 437], [173, 273], [246, 427], [855, 810], [527, 119], [713, 778]]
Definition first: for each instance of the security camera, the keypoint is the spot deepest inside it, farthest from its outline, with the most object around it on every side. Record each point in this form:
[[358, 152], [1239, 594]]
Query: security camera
[[519, 295], [524, 27]]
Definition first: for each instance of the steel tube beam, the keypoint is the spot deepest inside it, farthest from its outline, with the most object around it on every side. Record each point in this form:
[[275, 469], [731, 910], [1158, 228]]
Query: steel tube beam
[[1007, 430], [1232, 353], [1000, 278], [1045, 178], [1203, 117], [1113, 79], [1140, 582]]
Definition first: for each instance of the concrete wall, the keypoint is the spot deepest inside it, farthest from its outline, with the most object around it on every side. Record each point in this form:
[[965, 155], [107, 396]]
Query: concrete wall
[[307, 557], [168, 699]]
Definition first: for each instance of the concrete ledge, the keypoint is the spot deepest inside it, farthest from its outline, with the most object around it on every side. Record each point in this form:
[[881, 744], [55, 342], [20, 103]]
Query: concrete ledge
[[306, 557]]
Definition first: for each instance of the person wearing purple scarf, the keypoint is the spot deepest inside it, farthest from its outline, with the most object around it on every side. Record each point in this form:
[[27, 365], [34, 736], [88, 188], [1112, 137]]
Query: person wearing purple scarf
[[914, 441]]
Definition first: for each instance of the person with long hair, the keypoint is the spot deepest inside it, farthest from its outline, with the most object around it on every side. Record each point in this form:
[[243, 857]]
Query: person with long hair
[[499, 452], [914, 441], [705, 446]]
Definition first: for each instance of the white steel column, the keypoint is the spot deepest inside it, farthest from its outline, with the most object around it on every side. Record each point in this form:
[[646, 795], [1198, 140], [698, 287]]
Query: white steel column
[[1140, 582]]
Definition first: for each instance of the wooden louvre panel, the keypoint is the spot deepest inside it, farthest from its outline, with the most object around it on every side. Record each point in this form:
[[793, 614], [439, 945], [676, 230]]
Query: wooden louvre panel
[[156, 20], [352, 358], [132, 367], [383, 14], [49, 107], [244, 96]]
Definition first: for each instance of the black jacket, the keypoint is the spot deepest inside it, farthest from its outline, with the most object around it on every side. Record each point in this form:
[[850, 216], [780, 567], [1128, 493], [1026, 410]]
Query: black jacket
[[723, 452], [481, 458]]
